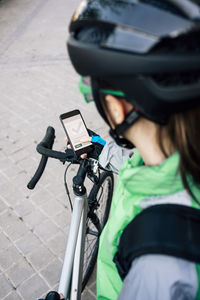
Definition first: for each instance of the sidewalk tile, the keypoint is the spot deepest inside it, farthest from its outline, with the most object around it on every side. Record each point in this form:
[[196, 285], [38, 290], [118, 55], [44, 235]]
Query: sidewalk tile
[[15, 229], [52, 272], [34, 218], [4, 242], [58, 243], [24, 208], [3, 206], [46, 230], [52, 207], [6, 287], [33, 288], [8, 257], [28, 243], [13, 296], [19, 272], [40, 257]]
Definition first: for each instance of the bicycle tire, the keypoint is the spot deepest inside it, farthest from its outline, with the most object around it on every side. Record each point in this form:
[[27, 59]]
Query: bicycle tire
[[100, 205]]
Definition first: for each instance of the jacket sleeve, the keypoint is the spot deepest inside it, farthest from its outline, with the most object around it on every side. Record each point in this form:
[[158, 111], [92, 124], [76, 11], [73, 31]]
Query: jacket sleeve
[[113, 156], [156, 277]]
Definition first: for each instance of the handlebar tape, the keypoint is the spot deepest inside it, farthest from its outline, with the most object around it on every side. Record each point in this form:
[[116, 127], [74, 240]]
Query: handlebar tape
[[32, 183], [45, 148], [46, 144]]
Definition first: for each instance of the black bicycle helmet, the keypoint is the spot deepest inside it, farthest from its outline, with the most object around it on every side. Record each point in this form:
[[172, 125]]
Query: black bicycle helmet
[[150, 51]]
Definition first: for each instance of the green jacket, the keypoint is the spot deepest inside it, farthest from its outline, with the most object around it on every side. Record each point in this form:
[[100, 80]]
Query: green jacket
[[136, 182]]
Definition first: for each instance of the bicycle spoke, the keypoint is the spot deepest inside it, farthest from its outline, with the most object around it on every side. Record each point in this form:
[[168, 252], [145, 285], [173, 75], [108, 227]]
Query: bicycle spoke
[[99, 205]]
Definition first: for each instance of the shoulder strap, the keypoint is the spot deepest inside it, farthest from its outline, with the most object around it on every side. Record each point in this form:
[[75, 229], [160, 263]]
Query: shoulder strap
[[161, 229]]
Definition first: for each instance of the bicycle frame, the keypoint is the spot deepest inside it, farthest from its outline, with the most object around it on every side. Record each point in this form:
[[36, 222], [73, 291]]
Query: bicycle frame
[[71, 282], [71, 275]]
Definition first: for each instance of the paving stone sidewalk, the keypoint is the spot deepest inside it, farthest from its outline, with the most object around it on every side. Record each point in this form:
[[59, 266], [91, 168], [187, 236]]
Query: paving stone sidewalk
[[37, 84]]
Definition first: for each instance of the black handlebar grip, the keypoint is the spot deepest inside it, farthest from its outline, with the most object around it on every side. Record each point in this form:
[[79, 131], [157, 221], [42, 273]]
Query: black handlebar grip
[[45, 148], [32, 183], [47, 142]]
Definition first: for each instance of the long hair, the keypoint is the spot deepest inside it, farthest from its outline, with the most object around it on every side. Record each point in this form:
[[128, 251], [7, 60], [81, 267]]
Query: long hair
[[183, 130]]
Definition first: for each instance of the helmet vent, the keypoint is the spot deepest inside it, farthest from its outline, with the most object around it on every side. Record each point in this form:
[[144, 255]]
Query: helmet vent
[[177, 79], [93, 34], [164, 5], [184, 44]]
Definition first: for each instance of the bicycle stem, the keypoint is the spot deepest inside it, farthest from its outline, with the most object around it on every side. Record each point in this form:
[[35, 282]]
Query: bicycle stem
[[78, 180]]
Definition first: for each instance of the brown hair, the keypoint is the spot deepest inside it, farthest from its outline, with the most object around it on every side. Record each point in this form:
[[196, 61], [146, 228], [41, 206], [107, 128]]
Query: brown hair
[[183, 130]]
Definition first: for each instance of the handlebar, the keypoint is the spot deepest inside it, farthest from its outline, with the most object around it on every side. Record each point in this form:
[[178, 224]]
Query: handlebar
[[45, 148]]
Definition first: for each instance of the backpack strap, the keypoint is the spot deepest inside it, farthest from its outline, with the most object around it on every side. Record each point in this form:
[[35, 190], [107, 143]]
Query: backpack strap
[[161, 229]]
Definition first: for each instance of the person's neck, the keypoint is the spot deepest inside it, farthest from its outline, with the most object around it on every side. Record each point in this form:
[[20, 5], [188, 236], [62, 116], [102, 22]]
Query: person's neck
[[144, 137], [151, 154]]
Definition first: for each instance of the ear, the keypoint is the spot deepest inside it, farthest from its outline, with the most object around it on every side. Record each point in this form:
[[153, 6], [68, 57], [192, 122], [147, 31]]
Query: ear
[[115, 109]]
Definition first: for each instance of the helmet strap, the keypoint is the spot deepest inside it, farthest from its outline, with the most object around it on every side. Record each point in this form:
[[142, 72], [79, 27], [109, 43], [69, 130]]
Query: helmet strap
[[122, 142], [116, 133], [130, 119]]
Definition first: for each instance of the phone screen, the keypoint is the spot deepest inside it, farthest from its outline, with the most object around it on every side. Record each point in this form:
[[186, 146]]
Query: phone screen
[[76, 131]]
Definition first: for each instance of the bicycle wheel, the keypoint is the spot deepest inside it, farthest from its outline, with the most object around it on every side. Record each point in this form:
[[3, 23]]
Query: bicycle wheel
[[99, 201]]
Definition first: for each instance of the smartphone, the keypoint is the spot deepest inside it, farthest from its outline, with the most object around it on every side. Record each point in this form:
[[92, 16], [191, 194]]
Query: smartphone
[[76, 130]]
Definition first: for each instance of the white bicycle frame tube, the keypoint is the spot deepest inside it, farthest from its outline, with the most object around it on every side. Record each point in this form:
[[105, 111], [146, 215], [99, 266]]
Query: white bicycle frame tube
[[74, 241], [76, 286]]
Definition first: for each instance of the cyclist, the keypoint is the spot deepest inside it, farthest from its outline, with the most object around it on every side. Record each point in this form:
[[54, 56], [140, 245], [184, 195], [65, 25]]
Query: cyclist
[[143, 60]]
